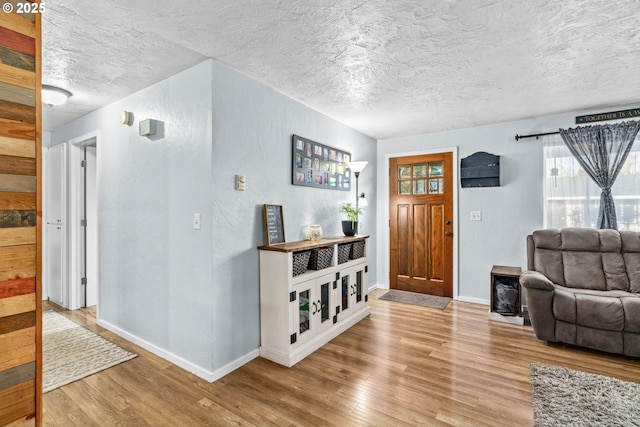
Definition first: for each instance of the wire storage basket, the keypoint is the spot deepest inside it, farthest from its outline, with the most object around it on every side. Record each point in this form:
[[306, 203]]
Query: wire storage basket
[[321, 258], [344, 251], [357, 250], [300, 262]]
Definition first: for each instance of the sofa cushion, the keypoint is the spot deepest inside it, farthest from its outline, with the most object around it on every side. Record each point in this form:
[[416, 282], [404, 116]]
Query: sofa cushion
[[583, 270], [599, 312], [580, 239], [632, 266], [592, 308], [631, 306], [585, 258], [564, 304], [609, 341], [615, 272]]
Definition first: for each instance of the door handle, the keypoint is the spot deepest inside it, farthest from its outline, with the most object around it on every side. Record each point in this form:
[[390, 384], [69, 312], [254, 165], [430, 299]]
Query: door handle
[[315, 309], [447, 233]]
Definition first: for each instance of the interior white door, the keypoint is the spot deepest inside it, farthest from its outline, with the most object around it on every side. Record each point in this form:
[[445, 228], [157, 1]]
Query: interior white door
[[91, 212], [55, 191], [56, 248], [55, 263]]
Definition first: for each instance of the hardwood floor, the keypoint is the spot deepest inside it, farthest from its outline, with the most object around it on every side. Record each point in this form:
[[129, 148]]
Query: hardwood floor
[[403, 365]]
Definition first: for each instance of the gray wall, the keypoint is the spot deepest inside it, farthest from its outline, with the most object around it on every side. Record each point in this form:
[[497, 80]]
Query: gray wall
[[155, 270], [195, 293], [509, 212], [252, 128]]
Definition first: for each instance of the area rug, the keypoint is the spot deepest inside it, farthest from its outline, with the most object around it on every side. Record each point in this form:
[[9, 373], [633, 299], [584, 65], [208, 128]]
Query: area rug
[[564, 397], [71, 352], [412, 298]]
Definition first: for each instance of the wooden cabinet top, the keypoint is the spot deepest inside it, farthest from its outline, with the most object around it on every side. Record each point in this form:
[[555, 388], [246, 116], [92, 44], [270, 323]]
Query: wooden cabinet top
[[501, 270], [303, 245]]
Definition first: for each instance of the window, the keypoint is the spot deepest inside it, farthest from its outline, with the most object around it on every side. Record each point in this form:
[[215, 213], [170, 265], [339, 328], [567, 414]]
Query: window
[[571, 197], [423, 178]]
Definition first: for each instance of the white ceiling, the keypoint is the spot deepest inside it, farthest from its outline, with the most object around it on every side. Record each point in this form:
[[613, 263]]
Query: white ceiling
[[385, 67]]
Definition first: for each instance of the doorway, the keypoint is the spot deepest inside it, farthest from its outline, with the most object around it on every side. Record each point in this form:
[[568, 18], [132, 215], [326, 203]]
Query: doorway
[[421, 223], [84, 267]]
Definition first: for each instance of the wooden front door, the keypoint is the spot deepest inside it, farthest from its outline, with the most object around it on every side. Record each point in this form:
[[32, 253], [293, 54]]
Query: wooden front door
[[421, 213]]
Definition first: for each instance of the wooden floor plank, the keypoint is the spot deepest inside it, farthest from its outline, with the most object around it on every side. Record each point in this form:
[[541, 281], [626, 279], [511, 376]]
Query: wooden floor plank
[[401, 366]]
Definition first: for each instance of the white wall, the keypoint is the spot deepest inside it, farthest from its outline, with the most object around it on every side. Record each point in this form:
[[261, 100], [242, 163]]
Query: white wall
[[509, 212], [193, 295], [155, 270], [252, 129]]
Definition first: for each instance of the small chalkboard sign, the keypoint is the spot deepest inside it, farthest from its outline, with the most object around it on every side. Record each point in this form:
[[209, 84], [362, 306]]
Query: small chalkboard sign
[[273, 224]]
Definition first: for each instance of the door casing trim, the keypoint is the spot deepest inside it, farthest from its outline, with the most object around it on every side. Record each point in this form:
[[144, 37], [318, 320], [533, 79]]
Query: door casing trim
[[75, 154], [386, 239]]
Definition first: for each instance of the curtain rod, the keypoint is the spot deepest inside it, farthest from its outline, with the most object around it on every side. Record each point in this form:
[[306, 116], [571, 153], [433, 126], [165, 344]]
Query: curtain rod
[[536, 135]]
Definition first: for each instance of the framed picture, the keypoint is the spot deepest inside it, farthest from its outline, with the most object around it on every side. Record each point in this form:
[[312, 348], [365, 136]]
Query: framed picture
[[273, 223], [319, 165]]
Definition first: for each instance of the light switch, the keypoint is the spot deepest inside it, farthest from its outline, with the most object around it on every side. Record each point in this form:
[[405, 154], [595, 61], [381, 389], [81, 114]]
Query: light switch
[[196, 221], [240, 182], [475, 216]]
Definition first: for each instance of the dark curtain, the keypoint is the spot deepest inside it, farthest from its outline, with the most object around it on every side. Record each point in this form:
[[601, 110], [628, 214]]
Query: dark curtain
[[602, 150]]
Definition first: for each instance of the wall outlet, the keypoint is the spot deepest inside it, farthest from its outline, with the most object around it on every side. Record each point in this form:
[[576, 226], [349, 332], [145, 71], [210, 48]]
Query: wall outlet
[[196, 221], [475, 216]]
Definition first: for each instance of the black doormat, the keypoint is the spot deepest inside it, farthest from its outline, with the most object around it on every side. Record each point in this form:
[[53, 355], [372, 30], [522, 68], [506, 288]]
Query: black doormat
[[422, 300]]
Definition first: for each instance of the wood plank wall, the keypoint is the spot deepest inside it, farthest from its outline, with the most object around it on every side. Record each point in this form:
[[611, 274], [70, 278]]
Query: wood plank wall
[[20, 220]]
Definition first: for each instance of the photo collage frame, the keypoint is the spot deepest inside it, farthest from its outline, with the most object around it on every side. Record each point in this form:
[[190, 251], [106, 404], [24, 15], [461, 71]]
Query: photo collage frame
[[319, 165]]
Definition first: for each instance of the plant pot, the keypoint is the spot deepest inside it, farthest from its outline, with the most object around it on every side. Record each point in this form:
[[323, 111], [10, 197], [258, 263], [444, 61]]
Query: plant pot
[[350, 228]]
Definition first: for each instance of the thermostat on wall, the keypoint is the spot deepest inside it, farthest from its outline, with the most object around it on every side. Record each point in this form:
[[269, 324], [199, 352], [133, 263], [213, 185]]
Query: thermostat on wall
[[147, 127]]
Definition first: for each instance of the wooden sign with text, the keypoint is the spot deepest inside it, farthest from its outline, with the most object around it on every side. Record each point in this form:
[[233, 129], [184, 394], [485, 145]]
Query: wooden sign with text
[[612, 115]]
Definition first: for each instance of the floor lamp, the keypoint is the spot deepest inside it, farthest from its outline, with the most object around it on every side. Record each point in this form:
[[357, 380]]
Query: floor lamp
[[356, 168]]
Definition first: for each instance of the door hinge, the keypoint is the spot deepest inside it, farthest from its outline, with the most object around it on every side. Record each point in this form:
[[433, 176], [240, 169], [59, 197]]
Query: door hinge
[[83, 281], [83, 163], [83, 223], [389, 223], [292, 296], [293, 338]]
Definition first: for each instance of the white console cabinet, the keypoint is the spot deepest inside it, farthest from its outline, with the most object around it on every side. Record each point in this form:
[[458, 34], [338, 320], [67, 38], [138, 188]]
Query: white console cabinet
[[300, 313]]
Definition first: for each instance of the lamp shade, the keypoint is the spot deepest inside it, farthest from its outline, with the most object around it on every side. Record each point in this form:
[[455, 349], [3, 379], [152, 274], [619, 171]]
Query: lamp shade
[[357, 167], [53, 96]]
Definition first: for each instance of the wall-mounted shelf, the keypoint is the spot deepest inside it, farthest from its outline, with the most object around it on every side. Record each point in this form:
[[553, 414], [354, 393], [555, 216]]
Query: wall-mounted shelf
[[480, 170]]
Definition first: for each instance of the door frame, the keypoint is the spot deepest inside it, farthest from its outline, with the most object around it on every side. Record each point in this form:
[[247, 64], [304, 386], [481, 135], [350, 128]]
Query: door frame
[[386, 237], [76, 154]]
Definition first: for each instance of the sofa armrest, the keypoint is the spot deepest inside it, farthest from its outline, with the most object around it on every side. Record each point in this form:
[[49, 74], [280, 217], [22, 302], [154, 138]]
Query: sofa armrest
[[539, 292], [536, 280]]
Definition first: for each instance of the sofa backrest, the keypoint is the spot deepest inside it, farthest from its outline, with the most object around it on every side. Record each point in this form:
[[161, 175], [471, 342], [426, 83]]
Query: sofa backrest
[[587, 258]]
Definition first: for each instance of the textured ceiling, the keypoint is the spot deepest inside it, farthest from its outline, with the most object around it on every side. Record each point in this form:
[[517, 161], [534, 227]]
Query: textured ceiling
[[385, 67]]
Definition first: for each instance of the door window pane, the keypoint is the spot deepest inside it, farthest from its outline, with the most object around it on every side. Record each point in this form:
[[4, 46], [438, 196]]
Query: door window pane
[[404, 171], [436, 169], [420, 171], [345, 292], [420, 186], [324, 302], [404, 187], [303, 301], [436, 186]]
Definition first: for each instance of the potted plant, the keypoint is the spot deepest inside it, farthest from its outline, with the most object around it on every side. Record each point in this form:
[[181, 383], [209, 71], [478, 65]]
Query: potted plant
[[350, 226]]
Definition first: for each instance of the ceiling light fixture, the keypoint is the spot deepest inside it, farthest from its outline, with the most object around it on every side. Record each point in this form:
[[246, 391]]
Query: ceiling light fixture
[[53, 96]]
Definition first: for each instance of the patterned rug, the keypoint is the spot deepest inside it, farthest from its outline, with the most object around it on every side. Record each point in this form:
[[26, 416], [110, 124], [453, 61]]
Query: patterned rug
[[71, 352], [563, 397], [412, 298]]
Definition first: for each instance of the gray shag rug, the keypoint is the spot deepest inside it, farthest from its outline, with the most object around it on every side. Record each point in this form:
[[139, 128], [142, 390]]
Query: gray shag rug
[[564, 397], [71, 352], [413, 298]]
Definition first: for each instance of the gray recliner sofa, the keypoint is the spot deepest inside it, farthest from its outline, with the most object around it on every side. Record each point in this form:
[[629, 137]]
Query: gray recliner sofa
[[582, 287]]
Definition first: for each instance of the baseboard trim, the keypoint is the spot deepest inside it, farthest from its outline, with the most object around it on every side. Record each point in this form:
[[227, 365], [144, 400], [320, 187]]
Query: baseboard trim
[[375, 286], [206, 375], [474, 300]]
